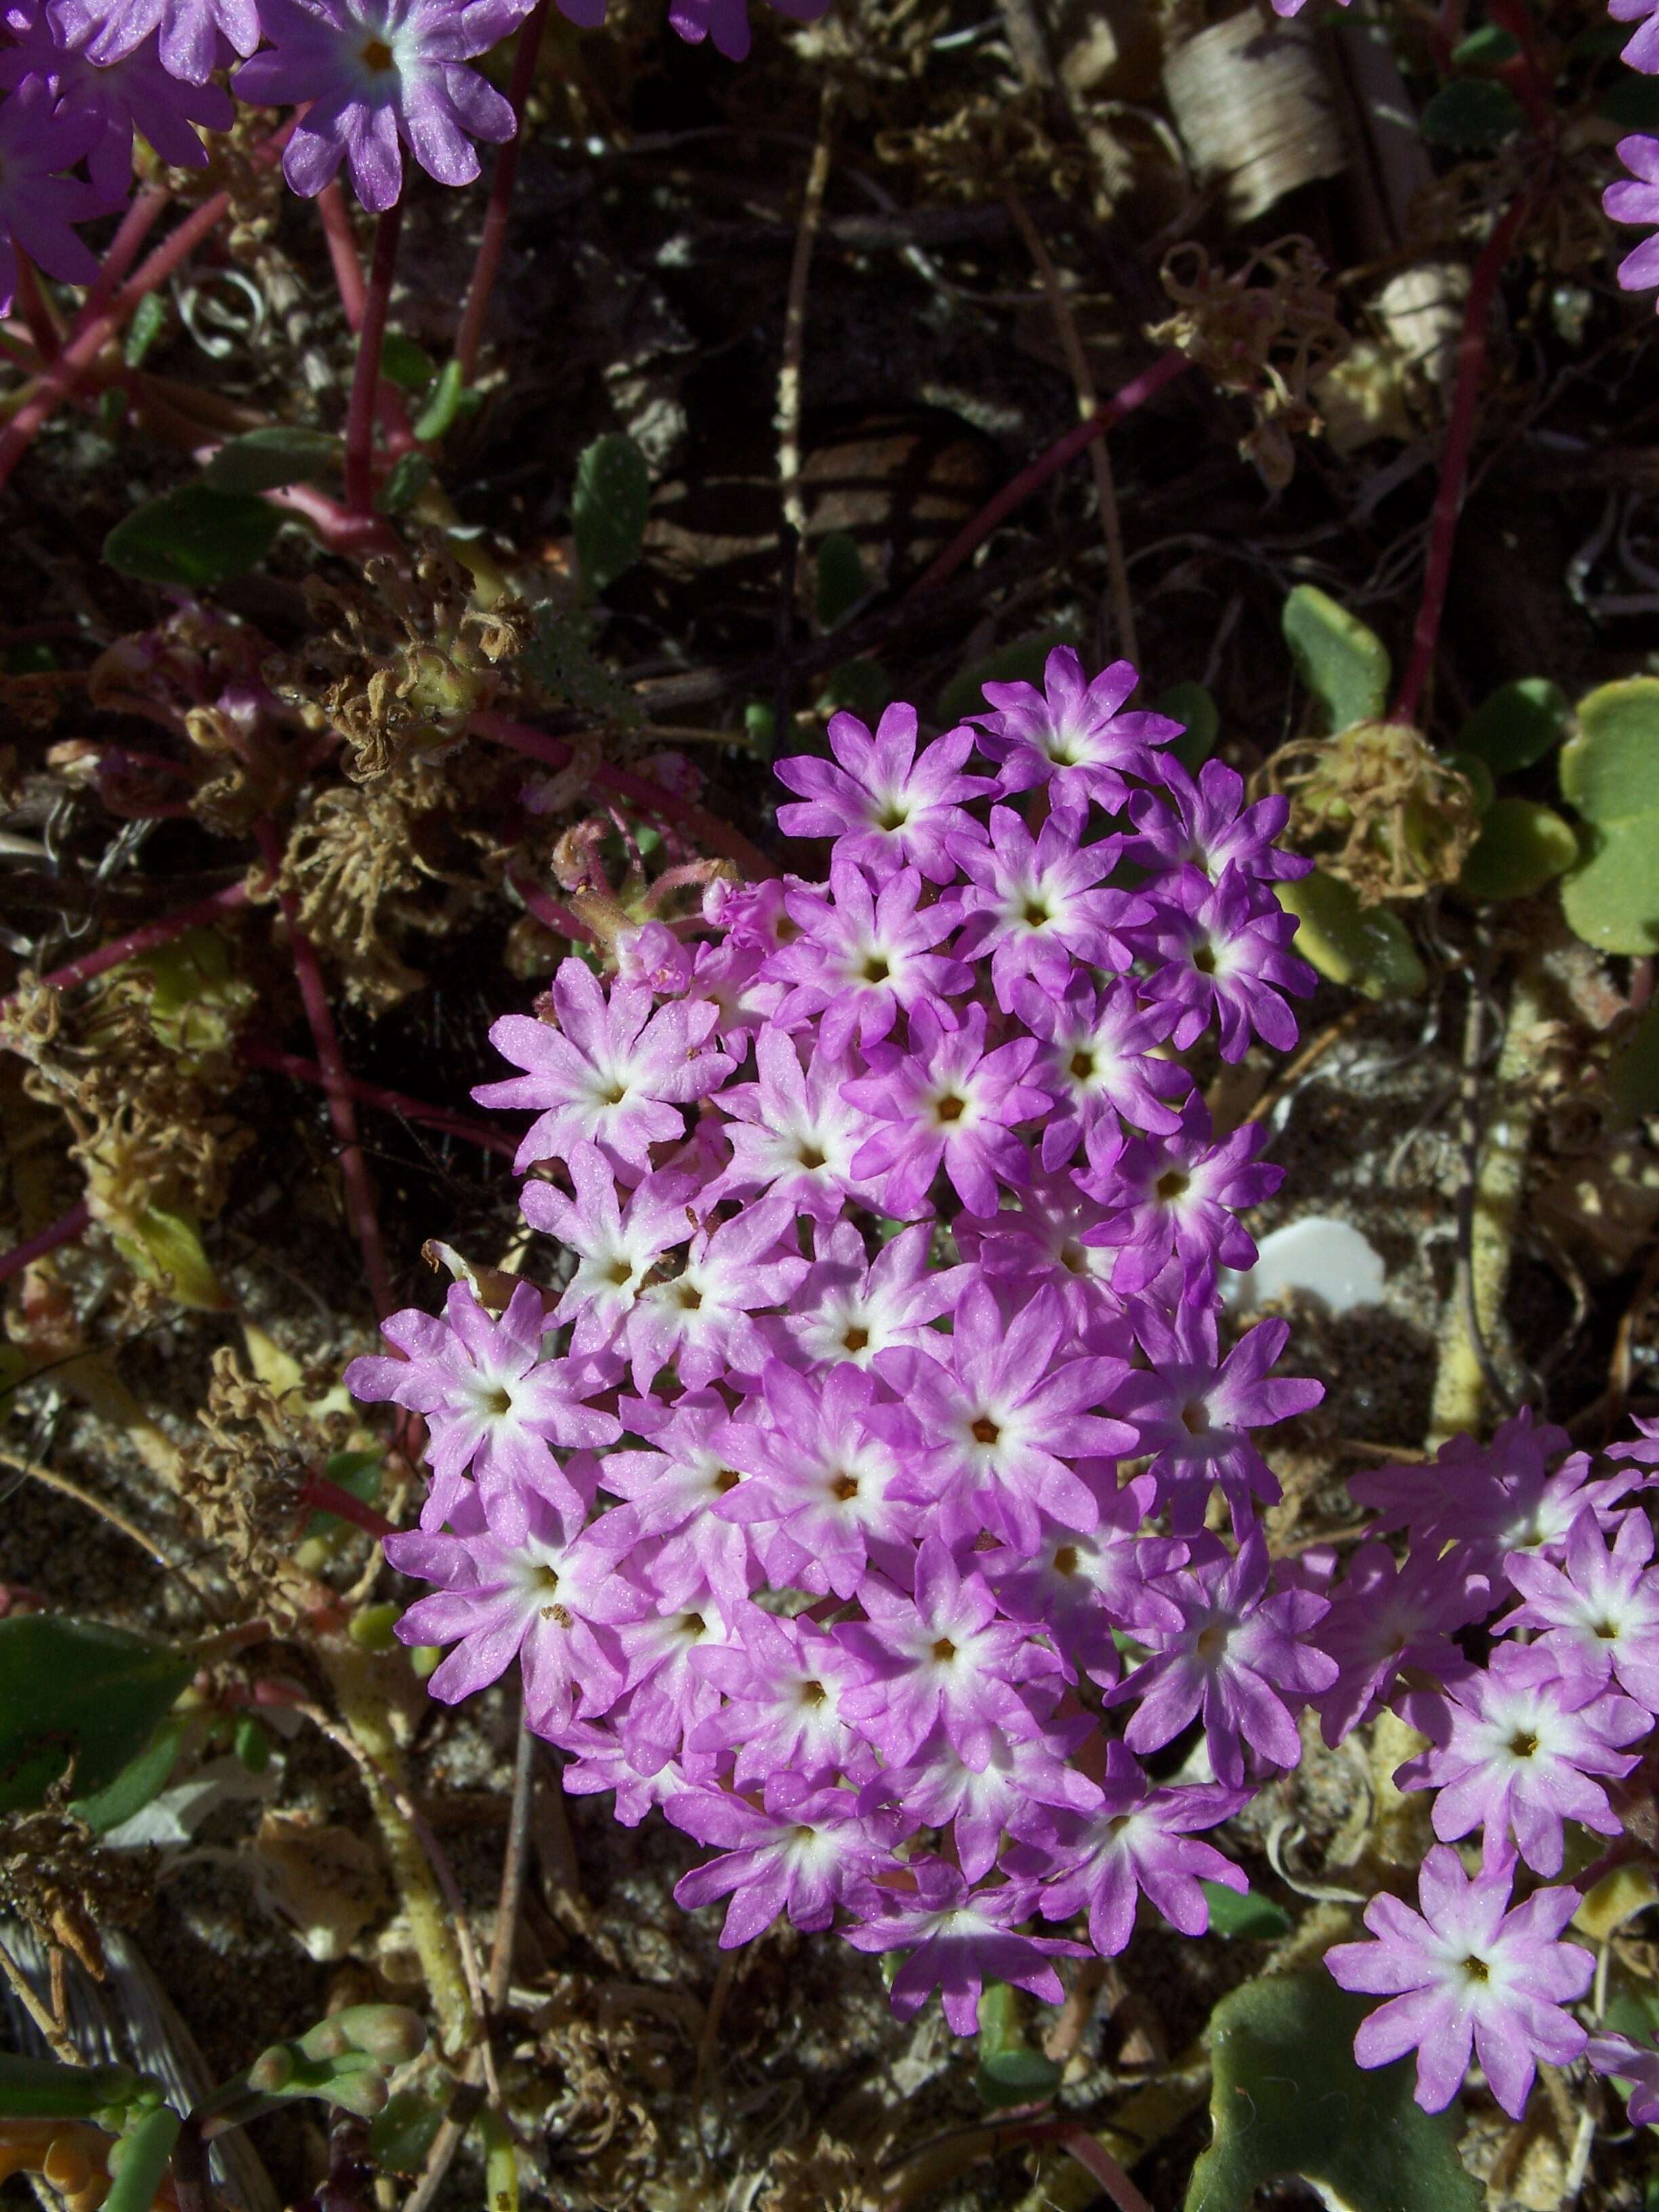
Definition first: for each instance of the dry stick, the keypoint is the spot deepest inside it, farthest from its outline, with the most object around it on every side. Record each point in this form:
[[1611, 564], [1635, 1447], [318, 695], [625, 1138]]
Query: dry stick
[[353, 1169], [1454, 458], [95, 327], [514, 1865], [65, 1488], [1164, 370], [371, 1094], [787, 418], [57, 2041], [708, 830], [1088, 401], [366, 378], [64, 1230], [492, 241]]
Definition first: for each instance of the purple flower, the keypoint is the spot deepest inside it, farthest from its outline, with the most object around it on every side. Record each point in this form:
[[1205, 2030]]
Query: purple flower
[[726, 21], [798, 1133], [1222, 949], [615, 1246], [701, 1318], [372, 72], [1236, 1651], [1385, 1617], [491, 1402], [1038, 1243], [852, 1307], [190, 33], [863, 956], [1019, 1790], [947, 1102], [1004, 1418], [133, 93], [957, 1939], [1098, 1067], [1194, 1411], [780, 1677], [1599, 1616], [1634, 2062], [37, 205], [1179, 1196], [1078, 1587], [550, 1596], [1201, 824], [1138, 1837], [674, 1489], [615, 1072], [1463, 1974], [1515, 1745], [798, 1853], [1039, 906], [886, 806], [1643, 51], [1072, 735], [937, 1657], [1637, 200]]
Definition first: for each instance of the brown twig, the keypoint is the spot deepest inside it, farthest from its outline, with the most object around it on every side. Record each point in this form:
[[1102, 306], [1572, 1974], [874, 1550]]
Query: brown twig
[[787, 419], [23, 1989]]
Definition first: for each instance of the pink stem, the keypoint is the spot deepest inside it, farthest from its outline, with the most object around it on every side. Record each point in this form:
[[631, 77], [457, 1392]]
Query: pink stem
[[64, 1230], [492, 241], [325, 1496], [366, 380], [137, 224], [348, 280], [313, 993], [371, 1094], [145, 939], [1092, 2155], [1454, 458], [94, 328], [341, 531], [551, 914], [696, 821], [32, 306], [1524, 74], [1164, 370]]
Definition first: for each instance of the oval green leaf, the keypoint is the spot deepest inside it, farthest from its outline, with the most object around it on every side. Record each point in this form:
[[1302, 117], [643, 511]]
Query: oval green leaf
[[77, 1689], [608, 512], [1517, 724], [1367, 948], [1192, 706], [194, 538], [1342, 663], [1289, 2100], [1246, 1915], [1633, 1070], [1611, 899], [842, 579], [1522, 846], [1473, 112], [265, 460], [1610, 770], [140, 1782]]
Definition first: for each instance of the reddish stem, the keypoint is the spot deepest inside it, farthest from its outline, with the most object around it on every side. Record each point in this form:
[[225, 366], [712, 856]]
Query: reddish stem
[[1454, 458], [371, 1094], [64, 1230], [696, 821], [95, 326], [313, 993], [1525, 75], [547, 911], [136, 226], [492, 241], [145, 939], [325, 1496], [341, 531], [348, 280], [1164, 370], [366, 380], [32, 306]]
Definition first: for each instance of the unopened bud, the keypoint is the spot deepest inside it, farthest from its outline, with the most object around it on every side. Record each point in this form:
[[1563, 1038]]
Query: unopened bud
[[271, 2071]]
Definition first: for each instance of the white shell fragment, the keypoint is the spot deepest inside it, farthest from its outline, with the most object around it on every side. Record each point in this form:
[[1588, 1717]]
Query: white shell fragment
[[1318, 1257]]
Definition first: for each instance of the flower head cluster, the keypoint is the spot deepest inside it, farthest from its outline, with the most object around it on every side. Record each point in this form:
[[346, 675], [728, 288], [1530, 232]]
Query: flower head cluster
[[886, 1225]]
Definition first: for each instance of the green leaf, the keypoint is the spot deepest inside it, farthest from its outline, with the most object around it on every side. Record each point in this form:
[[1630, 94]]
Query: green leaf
[[1633, 1070], [1517, 724], [405, 364], [166, 1248], [1632, 103], [1610, 769], [140, 1782], [1522, 846], [265, 460], [1020, 661], [1611, 899], [609, 508], [842, 579], [43, 2089], [1289, 2100], [138, 2160], [1487, 48], [148, 320], [1191, 705], [1367, 948], [1472, 113], [1014, 2077], [447, 401], [407, 478], [1342, 663], [401, 2135], [863, 688], [1231, 1914], [194, 538], [77, 1688], [1476, 775]]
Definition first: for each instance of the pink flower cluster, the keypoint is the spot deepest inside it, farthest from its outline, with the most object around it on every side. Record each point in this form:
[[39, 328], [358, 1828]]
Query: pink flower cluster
[[366, 78], [887, 1223]]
